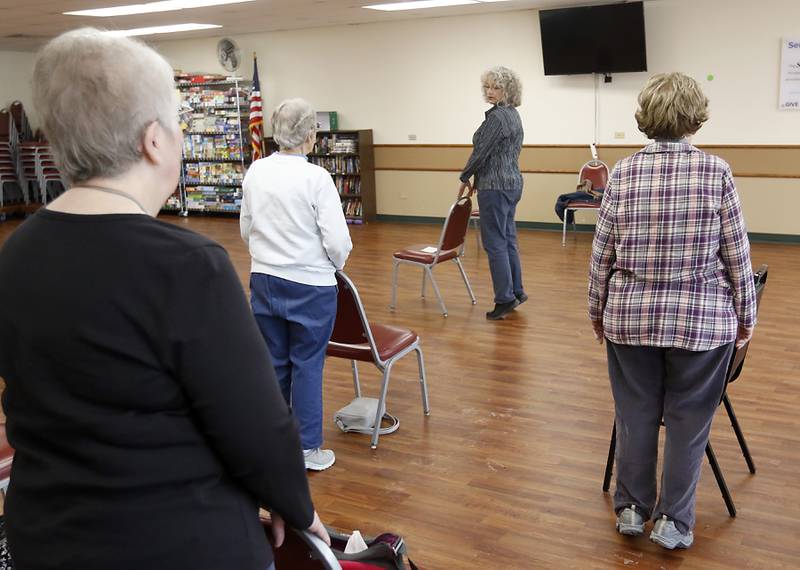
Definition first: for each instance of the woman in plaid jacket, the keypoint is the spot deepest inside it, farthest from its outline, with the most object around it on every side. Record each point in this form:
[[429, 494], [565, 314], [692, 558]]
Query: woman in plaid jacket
[[671, 289]]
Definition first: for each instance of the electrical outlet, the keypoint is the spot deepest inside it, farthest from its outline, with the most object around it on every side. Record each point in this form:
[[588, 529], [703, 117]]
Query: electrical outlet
[[404, 196], [619, 134], [412, 137]]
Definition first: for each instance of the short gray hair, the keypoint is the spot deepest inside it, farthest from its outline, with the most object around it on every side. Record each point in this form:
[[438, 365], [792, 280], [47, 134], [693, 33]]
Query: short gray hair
[[96, 94], [671, 106], [292, 121], [507, 81]]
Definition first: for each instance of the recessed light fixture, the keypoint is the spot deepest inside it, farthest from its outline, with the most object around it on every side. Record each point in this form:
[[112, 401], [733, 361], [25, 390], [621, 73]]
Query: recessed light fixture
[[152, 30], [422, 4], [150, 7]]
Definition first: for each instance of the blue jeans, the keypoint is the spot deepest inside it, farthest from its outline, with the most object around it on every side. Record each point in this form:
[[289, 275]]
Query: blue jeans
[[499, 236], [296, 321]]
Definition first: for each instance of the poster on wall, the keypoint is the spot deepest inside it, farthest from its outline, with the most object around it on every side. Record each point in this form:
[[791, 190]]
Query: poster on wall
[[790, 74]]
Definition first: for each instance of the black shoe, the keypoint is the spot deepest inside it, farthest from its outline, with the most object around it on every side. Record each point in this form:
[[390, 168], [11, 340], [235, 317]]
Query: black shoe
[[501, 310], [522, 297]]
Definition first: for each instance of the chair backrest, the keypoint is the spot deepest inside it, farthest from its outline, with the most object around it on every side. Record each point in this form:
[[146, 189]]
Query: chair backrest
[[737, 361], [455, 225], [21, 120], [5, 124], [351, 325], [596, 171]]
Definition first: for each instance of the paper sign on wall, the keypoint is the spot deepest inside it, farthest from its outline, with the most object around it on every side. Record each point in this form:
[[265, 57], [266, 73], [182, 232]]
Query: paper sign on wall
[[790, 74]]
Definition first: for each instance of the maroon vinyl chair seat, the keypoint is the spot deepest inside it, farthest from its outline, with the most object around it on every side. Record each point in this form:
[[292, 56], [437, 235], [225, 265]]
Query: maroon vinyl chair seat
[[357, 340], [415, 254], [578, 205], [389, 340], [449, 248]]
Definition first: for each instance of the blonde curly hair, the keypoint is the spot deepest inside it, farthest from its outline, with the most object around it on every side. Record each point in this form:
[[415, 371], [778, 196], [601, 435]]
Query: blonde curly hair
[[671, 106], [507, 81]]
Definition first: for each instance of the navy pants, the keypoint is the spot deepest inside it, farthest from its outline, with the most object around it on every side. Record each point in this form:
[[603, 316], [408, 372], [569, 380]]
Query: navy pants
[[683, 387], [499, 236], [296, 321]]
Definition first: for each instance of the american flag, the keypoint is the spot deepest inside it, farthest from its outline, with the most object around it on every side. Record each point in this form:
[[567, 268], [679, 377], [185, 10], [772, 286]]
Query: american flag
[[256, 125]]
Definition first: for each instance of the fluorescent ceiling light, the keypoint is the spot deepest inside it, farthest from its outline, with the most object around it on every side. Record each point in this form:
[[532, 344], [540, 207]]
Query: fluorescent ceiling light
[[152, 30], [149, 7], [421, 4], [418, 5]]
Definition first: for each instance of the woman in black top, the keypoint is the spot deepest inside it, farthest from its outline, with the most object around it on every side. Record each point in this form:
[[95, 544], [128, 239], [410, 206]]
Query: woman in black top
[[495, 165], [140, 398]]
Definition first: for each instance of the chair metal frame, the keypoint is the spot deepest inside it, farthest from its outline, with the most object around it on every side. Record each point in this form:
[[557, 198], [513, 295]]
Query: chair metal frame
[[427, 268], [475, 222], [384, 366], [734, 369], [593, 165], [47, 171]]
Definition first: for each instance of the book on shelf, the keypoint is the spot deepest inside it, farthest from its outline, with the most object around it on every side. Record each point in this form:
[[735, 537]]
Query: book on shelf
[[352, 207], [348, 185], [338, 164], [335, 143]]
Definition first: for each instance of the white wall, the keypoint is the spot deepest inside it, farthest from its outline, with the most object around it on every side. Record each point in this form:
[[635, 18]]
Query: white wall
[[15, 80], [422, 76]]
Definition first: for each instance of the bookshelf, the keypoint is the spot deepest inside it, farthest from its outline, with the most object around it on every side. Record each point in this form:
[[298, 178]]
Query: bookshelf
[[216, 144], [349, 158]]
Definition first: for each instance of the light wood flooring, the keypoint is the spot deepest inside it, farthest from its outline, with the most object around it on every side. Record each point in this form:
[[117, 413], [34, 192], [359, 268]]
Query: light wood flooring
[[506, 472]]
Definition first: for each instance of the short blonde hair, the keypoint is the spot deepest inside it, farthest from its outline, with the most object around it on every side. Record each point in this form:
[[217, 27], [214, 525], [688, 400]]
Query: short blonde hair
[[507, 81], [671, 106], [292, 121], [96, 94]]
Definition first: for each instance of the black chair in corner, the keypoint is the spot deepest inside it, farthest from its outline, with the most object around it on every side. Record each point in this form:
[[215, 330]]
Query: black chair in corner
[[734, 370]]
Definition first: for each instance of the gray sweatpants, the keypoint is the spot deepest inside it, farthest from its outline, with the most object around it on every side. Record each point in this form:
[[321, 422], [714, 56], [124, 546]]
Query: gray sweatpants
[[683, 387]]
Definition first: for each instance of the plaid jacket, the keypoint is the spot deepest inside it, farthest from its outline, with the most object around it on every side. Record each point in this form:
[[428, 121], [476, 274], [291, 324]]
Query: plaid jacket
[[671, 261]]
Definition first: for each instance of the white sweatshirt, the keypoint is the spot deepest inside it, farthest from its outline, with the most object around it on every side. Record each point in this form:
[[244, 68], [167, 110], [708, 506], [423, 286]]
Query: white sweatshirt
[[292, 220]]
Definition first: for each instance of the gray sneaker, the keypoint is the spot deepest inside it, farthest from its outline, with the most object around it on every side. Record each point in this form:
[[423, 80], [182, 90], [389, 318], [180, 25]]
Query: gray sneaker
[[666, 534], [630, 522], [318, 459]]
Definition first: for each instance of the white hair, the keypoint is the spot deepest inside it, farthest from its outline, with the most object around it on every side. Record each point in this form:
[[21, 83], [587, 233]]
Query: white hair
[[292, 121], [508, 82], [96, 94]]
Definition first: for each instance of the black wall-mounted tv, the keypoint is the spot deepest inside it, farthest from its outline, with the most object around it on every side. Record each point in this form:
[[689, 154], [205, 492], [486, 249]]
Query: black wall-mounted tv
[[593, 39]]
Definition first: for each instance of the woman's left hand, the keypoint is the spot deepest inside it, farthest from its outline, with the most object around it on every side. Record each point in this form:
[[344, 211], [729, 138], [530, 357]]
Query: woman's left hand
[[464, 186], [743, 336], [278, 530]]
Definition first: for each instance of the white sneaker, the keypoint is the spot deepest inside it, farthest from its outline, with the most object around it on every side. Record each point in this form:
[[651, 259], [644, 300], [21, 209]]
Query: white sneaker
[[666, 534], [630, 522], [318, 459]]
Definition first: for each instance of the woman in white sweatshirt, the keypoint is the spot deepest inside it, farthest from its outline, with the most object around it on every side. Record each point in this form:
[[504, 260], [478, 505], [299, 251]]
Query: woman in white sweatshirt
[[292, 222]]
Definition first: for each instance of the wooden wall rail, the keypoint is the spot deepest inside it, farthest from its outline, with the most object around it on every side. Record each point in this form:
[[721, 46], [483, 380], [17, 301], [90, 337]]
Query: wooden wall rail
[[751, 161]]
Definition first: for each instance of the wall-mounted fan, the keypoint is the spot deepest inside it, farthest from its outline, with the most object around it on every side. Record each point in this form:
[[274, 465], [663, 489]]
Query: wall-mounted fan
[[229, 55]]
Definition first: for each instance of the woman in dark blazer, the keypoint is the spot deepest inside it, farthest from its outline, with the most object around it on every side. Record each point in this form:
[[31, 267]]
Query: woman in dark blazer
[[494, 164]]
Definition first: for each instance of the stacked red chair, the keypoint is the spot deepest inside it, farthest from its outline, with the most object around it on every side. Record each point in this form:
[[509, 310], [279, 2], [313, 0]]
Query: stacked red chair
[[10, 188]]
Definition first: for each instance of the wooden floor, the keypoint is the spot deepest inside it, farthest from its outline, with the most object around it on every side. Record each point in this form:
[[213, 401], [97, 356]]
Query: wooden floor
[[506, 471]]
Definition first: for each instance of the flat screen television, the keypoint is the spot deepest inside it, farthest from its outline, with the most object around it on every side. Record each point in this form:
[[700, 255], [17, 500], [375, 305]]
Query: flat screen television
[[593, 39]]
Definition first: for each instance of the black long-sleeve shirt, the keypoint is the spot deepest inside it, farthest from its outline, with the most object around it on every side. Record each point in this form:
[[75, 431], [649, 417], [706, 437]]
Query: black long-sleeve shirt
[[141, 401], [495, 155]]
